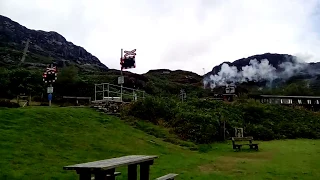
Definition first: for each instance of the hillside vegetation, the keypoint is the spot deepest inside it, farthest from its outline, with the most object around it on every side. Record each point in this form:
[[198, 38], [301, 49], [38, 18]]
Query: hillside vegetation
[[35, 143], [73, 82], [202, 121]]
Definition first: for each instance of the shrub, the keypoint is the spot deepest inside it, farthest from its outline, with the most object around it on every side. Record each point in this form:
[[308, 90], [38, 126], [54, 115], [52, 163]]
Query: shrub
[[8, 104], [153, 108], [197, 127], [201, 121]]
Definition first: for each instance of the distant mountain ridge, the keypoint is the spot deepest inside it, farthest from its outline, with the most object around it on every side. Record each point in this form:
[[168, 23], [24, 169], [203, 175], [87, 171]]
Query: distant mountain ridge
[[43, 46]]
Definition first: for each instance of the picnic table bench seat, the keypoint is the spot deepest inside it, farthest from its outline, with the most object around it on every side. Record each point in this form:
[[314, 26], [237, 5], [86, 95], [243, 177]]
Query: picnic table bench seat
[[108, 175], [170, 176]]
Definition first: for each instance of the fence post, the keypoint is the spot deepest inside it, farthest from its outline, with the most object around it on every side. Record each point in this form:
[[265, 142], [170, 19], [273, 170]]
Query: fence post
[[108, 91], [102, 91], [95, 92], [133, 96]]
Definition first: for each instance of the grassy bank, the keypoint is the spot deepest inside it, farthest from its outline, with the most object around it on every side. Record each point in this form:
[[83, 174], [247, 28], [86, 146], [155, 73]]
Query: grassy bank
[[35, 143]]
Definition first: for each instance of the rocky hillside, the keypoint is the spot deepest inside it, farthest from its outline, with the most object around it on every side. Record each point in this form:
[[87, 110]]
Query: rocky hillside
[[44, 48]]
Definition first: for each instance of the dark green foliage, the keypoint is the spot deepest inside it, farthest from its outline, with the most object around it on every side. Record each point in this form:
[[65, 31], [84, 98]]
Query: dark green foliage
[[154, 108], [202, 121], [197, 127], [8, 104], [17, 81]]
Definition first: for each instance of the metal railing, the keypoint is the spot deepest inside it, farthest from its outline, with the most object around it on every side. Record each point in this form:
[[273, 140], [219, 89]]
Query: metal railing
[[111, 92]]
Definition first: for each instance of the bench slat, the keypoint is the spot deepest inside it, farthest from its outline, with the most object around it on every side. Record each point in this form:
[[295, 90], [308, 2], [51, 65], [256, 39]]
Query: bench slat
[[167, 177], [242, 138], [108, 175]]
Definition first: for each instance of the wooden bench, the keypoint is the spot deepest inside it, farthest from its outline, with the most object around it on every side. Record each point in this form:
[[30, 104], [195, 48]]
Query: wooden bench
[[250, 144], [101, 169], [167, 177]]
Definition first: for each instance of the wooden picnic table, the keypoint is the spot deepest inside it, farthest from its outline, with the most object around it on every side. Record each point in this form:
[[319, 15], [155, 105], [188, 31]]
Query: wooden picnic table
[[105, 169]]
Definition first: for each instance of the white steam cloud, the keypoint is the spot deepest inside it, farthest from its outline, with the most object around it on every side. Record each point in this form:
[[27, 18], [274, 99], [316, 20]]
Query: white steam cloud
[[256, 71]]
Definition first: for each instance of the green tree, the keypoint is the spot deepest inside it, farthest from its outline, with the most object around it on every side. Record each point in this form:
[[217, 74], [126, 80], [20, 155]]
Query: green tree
[[296, 89], [68, 74]]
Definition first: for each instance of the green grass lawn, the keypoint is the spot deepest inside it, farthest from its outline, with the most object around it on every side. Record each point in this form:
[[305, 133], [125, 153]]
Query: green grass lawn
[[35, 143]]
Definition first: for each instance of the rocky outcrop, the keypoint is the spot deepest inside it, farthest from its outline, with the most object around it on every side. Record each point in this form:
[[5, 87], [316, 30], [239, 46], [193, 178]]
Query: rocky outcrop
[[47, 44]]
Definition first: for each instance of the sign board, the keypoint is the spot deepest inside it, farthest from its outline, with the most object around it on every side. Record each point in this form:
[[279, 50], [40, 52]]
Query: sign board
[[49, 97], [238, 132], [50, 74], [121, 80], [128, 62], [50, 90], [130, 53]]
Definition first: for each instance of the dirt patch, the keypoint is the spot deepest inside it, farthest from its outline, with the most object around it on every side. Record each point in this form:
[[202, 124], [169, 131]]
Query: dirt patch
[[232, 162], [253, 155]]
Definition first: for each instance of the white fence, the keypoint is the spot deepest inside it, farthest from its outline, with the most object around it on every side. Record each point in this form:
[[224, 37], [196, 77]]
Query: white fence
[[111, 92]]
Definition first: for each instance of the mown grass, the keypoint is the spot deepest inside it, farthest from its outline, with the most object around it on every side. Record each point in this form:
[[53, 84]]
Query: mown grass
[[35, 143]]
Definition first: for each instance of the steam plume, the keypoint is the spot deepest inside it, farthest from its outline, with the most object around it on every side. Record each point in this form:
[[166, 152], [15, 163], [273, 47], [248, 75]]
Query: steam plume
[[256, 71]]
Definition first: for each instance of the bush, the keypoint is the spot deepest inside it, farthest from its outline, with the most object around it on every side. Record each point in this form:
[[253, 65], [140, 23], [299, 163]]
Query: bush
[[197, 127], [153, 108], [8, 104], [201, 121]]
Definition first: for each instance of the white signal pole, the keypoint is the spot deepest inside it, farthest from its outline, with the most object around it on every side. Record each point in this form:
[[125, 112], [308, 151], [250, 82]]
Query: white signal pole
[[204, 72], [121, 77]]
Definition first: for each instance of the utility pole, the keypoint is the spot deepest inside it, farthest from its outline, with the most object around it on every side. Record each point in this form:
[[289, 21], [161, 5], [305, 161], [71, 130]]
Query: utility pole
[[122, 78], [127, 61], [50, 76], [50, 95], [204, 73], [25, 51]]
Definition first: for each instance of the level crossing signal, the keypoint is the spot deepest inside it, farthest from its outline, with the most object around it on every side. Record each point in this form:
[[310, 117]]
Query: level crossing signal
[[50, 74], [129, 60]]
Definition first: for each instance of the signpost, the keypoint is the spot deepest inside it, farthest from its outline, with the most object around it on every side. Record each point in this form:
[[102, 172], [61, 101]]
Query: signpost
[[127, 61], [49, 98], [130, 53], [50, 76], [50, 90], [120, 80]]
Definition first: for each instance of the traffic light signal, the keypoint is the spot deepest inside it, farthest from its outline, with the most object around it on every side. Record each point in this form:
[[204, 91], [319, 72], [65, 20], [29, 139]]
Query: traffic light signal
[[128, 62]]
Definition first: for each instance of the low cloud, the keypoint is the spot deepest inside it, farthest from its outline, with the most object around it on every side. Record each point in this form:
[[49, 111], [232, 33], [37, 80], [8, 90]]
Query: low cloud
[[188, 34]]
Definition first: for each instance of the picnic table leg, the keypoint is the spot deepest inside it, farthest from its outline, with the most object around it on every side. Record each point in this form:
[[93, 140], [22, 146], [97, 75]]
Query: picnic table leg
[[100, 175], [84, 175], [111, 177], [144, 170], [132, 172]]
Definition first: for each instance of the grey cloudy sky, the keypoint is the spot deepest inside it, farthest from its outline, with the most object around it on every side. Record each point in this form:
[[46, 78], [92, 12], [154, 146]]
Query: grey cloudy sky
[[177, 34]]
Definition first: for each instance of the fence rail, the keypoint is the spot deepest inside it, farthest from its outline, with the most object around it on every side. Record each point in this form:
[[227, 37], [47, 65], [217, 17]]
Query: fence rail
[[107, 91]]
